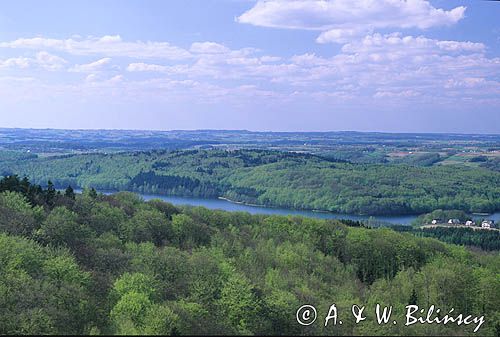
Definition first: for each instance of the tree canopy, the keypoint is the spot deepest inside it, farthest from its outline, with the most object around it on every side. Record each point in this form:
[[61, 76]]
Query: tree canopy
[[115, 264]]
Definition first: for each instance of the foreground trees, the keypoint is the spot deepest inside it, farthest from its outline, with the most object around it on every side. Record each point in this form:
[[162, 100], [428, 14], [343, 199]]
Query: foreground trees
[[118, 265], [43, 290]]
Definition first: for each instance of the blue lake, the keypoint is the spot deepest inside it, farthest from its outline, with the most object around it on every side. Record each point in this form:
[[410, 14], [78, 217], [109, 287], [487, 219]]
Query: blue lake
[[231, 206], [239, 207]]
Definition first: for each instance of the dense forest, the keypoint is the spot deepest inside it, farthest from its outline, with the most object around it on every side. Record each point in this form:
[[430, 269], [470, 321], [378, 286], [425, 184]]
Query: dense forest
[[272, 178], [114, 264]]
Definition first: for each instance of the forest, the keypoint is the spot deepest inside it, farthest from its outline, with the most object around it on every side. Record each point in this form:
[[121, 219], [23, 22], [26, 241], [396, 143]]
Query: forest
[[114, 264], [274, 178], [483, 239]]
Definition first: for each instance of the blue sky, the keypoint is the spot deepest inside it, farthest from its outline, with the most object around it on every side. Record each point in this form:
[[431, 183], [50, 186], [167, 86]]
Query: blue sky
[[294, 65]]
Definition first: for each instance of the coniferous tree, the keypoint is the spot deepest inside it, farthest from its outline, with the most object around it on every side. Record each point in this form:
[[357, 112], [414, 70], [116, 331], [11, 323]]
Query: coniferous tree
[[50, 193], [413, 298], [70, 193]]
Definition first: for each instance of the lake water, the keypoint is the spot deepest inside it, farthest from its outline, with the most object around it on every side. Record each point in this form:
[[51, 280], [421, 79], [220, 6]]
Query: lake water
[[231, 206], [234, 207]]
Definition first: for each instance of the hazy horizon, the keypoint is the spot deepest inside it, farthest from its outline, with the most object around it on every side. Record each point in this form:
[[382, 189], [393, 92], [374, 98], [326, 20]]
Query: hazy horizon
[[241, 130]]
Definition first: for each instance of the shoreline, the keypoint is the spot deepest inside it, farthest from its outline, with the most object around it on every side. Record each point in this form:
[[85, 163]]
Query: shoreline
[[347, 216], [316, 210]]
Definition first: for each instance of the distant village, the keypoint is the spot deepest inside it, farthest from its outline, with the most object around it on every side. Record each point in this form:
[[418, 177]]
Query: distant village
[[485, 224]]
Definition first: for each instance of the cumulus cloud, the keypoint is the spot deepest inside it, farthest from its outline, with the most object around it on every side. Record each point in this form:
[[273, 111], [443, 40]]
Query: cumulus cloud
[[49, 61], [42, 59], [390, 66], [394, 66], [216, 61], [396, 44], [340, 20], [340, 35], [381, 67], [17, 62], [109, 45], [308, 59]]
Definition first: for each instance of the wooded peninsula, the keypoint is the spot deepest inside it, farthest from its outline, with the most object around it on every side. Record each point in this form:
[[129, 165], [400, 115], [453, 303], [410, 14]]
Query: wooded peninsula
[[273, 178]]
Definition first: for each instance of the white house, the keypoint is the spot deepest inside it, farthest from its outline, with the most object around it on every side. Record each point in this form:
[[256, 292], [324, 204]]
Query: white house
[[454, 222], [487, 224], [470, 223], [434, 221]]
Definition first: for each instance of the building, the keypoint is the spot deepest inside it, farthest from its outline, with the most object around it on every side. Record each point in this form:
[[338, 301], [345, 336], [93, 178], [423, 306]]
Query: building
[[454, 222], [487, 224], [435, 221], [470, 223]]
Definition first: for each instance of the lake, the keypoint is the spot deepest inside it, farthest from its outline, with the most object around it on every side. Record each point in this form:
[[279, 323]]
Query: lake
[[226, 205], [233, 207]]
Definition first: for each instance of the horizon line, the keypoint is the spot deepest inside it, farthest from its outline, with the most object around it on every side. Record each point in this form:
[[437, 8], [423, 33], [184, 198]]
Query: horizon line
[[243, 130]]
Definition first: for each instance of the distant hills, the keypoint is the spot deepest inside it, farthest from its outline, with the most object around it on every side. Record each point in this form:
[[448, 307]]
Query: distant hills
[[55, 140]]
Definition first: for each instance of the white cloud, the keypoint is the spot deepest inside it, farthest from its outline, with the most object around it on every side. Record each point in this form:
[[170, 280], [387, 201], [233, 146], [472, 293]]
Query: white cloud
[[49, 61], [391, 66], [91, 78], [395, 44], [309, 59], [391, 94], [383, 68], [110, 39], [137, 67], [269, 59], [460, 46], [157, 68], [41, 59], [339, 35], [111, 46], [340, 20], [100, 80], [208, 48], [17, 62], [92, 67], [215, 61]]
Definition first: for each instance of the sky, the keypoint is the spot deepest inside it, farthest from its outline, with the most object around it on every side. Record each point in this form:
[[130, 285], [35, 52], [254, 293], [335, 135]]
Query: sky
[[267, 65]]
